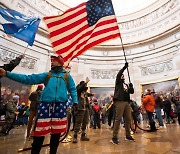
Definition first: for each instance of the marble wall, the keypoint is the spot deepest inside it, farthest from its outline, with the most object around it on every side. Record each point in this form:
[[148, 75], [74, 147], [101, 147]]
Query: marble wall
[[151, 40]]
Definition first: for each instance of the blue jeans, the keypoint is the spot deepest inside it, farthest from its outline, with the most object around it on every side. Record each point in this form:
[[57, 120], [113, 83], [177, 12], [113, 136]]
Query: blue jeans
[[159, 116]]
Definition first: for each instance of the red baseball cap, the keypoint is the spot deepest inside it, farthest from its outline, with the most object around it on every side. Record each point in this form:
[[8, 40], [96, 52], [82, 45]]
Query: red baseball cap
[[59, 59]]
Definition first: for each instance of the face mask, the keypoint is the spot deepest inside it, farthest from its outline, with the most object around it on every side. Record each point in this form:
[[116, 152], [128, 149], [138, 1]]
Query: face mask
[[57, 69]]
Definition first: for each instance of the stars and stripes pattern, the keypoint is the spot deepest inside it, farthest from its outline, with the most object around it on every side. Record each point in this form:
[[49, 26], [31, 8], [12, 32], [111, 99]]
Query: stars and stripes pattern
[[51, 118], [81, 28]]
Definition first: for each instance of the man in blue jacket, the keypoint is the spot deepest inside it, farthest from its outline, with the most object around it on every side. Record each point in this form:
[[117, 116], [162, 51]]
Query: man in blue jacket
[[51, 116]]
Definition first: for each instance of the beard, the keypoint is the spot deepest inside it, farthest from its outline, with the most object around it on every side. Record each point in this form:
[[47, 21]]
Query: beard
[[57, 69]]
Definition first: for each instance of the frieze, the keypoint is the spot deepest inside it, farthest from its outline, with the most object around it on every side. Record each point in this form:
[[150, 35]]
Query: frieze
[[45, 7], [104, 73], [26, 62], [150, 17], [157, 68]]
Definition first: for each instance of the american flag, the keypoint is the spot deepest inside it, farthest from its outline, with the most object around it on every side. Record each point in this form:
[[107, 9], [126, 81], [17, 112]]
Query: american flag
[[80, 28], [51, 118]]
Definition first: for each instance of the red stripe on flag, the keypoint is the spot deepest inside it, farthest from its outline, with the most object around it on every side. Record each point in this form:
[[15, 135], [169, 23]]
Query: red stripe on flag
[[57, 131], [41, 133], [59, 22], [86, 36], [70, 26], [55, 123], [42, 124]]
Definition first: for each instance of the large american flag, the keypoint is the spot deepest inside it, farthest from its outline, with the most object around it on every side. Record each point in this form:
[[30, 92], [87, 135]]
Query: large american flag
[[80, 28]]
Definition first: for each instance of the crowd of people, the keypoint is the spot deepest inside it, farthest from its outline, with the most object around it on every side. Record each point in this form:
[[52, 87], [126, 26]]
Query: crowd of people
[[47, 111]]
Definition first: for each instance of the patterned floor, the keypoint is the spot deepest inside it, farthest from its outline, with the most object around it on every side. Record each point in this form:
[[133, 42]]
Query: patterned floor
[[164, 141]]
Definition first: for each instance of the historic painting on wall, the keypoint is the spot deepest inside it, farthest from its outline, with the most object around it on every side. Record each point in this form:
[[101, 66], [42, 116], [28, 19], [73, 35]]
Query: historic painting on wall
[[164, 87], [10, 87], [103, 94]]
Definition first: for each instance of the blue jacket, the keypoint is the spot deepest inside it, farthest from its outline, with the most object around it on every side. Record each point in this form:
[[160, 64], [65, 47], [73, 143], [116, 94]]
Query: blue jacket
[[56, 89]]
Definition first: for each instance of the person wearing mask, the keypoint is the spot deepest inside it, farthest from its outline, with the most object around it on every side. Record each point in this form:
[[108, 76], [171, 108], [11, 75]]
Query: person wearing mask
[[34, 98], [82, 115], [149, 105], [51, 116], [122, 107]]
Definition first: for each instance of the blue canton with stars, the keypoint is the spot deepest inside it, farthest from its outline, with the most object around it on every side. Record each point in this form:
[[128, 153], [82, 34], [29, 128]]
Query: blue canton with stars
[[51, 110], [96, 9]]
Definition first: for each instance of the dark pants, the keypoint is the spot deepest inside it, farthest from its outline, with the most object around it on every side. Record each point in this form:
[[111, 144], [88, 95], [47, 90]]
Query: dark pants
[[82, 119], [110, 119], [151, 121], [178, 117], [97, 120], [7, 126], [122, 109], [38, 142]]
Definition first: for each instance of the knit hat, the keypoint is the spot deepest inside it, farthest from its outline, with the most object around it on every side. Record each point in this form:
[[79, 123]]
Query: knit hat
[[40, 87], [59, 59], [95, 99]]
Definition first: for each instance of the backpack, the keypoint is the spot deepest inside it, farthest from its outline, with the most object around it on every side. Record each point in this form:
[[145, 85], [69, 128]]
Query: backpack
[[96, 108], [49, 75]]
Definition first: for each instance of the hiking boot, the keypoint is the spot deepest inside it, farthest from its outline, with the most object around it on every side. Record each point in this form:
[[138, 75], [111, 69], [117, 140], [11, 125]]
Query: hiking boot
[[130, 138], [114, 140], [74, 138], [84, 137]]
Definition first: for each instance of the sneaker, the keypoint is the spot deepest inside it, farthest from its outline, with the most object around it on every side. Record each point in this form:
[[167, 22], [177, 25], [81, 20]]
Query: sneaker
[[130, 138], [84, 137], [161, 127], [74, 140], [114, 140]]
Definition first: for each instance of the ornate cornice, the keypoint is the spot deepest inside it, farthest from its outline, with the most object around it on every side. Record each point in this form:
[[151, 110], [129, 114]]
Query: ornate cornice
[[151, 17]]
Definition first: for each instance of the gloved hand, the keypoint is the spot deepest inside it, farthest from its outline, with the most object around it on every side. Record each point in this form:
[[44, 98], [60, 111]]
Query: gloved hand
[[126, 65], [130, 85]]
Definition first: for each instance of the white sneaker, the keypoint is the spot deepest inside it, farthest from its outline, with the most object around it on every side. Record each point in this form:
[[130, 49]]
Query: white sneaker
[[161, 127]]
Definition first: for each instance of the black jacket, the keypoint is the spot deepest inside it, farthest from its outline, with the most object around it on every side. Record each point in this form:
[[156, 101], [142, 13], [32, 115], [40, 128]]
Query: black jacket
[[34, 98], [120, 94], [83, 102]]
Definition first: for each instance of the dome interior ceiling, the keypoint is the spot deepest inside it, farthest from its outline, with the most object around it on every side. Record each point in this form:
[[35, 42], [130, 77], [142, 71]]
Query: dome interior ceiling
[[121, 7]]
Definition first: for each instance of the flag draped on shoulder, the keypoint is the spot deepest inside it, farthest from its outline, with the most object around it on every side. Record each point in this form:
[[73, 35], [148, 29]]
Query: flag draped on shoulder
[[82, 27], [19, 25]]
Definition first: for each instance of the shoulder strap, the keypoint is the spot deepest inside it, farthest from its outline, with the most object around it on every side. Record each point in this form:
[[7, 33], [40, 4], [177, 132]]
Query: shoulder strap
[[66, 78], [49, 75], [47, 78]]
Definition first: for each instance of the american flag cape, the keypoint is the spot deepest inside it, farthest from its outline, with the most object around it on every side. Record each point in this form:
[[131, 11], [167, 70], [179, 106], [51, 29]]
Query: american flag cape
[[82, 27]]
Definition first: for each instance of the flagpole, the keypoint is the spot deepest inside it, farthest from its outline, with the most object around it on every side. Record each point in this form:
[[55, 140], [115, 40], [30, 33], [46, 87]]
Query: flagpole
[[124, 55], [122, 46], [25, 49]]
